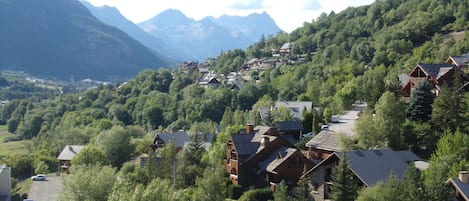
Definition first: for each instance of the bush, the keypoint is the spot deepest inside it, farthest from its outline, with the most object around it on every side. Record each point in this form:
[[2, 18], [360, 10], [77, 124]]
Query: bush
[[235, 191], [257, 195], [13, 138]]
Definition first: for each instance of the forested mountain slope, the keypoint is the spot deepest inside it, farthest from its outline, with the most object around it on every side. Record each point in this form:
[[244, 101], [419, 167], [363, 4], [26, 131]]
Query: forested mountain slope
[[62, 39]]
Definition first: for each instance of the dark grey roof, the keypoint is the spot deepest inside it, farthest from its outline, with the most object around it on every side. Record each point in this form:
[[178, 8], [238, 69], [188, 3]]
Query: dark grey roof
[[289, 126], [460, 187], [289, 139], [4, 197], [271, 157], [243, 144], [434, 69], [407, 156], [460, 60], [296, 107], [372, 166]]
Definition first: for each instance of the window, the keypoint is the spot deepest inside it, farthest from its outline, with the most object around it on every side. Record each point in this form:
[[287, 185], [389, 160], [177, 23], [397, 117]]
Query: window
[[234, 155], [328, 175], [233, 171]]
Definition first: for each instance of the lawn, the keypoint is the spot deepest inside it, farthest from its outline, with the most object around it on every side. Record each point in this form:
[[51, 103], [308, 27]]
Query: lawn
[[7, 148]]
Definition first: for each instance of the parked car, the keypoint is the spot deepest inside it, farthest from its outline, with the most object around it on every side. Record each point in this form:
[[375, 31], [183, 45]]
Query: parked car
[[310, 134], [39, 177], [335, 119], [325, 127]]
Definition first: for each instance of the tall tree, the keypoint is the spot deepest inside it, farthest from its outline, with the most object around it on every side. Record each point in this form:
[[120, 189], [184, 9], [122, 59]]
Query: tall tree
[[390, 115], [412, 185], [281, 192], [115, 143], [90, 155], [210, 187], [88, 182], [450, 155], [420, 104], [345, 186], [303, 192], [446, 114]]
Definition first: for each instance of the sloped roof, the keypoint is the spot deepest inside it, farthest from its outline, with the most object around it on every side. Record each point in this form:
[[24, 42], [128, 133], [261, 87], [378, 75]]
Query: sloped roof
[[286, 46], [372, 166], [326, 140], [243, 144], [460, 60], [69, 151], [462, 188], [281, 155], [434, 69], [289, 126], [297, 107]]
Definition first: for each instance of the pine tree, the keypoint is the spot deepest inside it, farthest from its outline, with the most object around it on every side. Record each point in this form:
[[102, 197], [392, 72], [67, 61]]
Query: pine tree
[[412, 185], [303, 193], [447, 110], [281, 192], [420, 105], [345, 186]]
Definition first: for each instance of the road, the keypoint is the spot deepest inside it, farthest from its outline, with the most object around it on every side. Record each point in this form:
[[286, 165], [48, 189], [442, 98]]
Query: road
[[346, 124], [45, 190]]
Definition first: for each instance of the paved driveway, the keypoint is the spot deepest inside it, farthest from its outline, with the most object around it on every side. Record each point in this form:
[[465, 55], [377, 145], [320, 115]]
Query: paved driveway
[[346, 124], [45, 190]]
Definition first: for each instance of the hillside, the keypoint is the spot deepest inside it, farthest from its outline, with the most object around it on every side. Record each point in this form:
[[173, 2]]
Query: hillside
[[62, 39]]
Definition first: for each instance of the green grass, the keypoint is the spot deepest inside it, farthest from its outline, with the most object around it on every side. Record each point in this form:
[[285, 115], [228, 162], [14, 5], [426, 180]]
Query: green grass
[[7, 148]]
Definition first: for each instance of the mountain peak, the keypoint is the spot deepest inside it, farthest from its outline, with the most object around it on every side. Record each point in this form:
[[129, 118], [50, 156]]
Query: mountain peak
[[173, 16]]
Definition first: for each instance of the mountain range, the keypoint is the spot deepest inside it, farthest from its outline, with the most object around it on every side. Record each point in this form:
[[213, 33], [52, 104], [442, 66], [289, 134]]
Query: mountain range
[[71, 39], [113, 17], [62, 39], [209, 36]]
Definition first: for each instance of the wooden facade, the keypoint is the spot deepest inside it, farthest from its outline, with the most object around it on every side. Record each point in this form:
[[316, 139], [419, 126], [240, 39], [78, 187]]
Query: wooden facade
[[262, 157]]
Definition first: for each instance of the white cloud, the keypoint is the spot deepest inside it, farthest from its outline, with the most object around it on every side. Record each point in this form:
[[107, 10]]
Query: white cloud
[[287, 14]]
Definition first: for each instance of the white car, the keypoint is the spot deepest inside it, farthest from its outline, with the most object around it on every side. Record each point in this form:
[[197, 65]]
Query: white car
[[325, 127], [310, 134], [39, 177]]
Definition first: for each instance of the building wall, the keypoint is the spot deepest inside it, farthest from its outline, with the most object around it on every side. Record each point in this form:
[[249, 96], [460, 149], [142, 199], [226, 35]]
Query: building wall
[[5, 180]]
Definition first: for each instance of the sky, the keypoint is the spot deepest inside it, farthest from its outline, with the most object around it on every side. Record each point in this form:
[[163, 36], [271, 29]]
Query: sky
[[288, 14]]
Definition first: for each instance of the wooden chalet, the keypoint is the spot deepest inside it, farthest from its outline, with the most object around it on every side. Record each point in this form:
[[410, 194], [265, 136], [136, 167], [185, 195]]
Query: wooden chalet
[[66, 156], [261, 157], [436, 74], [460, 61], [368, 166]]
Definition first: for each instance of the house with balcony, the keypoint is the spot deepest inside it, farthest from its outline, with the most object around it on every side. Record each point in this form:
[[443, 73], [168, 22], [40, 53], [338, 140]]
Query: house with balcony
[[262, 157]]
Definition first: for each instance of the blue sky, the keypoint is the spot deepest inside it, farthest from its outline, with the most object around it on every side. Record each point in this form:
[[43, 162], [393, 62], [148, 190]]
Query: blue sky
[[288, 14]]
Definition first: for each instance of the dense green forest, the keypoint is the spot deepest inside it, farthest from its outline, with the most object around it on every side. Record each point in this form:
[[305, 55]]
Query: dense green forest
[[352, 55]]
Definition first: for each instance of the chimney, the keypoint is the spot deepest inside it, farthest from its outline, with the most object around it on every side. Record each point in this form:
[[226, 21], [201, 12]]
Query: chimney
[[249, 128], [463, 177], [265, 141]]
